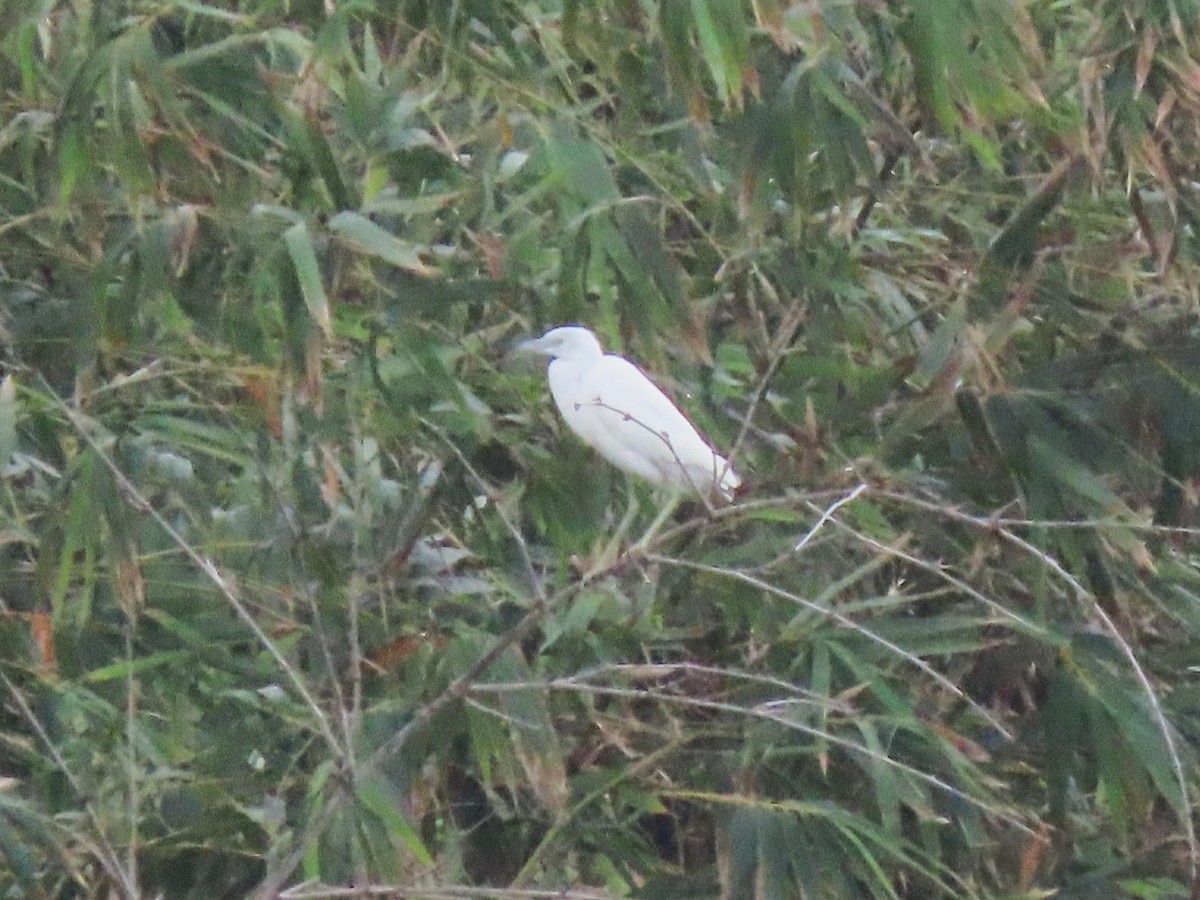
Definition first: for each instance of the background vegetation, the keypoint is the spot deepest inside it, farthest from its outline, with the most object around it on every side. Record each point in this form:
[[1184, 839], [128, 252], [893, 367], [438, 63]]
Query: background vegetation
[[301, 582]]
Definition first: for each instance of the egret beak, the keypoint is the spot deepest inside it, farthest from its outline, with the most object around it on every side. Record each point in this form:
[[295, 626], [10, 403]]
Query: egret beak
[[534, 345]]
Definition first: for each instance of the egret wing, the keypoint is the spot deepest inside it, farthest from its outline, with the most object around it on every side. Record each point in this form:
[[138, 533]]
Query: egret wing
[[648, 433]]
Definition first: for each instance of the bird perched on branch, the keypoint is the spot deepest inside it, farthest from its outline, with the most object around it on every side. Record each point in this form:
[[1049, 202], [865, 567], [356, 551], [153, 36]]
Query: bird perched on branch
[[614, 408]]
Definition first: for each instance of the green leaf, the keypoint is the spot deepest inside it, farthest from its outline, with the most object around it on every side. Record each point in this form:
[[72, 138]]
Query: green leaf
[[126, 668], [8, 420], [374, 796], [326, 165], [19, 855], [724, 44], [883, 778], [308, 273], [366, 237]]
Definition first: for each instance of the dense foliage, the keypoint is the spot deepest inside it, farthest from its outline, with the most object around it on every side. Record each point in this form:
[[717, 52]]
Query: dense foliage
[[304, 585]]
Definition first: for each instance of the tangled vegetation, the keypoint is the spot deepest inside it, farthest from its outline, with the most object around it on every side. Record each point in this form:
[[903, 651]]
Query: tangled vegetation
[[305, 591]]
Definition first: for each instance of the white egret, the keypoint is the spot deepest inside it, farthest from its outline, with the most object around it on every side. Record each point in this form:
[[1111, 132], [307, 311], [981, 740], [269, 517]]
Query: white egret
[[611, 404]]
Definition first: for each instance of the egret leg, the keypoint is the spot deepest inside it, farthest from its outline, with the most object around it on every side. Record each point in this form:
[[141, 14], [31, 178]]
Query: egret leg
[[660, 520], [611, 549]]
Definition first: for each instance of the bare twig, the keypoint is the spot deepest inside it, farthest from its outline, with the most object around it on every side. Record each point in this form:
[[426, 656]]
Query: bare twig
[[828, 514], [352, 604], [131, 748], [105, 851], [509, 526], [886, 168], [937, 569], [280, 871], [763, 712], [1160, 718], [645, 671], [1004, 531], [778, 350], [602, 791], [309, 891], [993, 522], [842, 620], [210, 570], [666, 439]]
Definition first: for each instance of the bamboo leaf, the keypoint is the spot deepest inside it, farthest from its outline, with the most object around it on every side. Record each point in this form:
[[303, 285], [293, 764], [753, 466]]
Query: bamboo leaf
[[308, 272], [366, 237], [371, 793]]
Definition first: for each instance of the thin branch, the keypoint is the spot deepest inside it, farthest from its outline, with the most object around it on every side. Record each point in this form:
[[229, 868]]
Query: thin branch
[[105, 851], [991, 523], [762, 712], [842, 620], [353, 611], [1143, 679], [280, 871], [666, 439], [886, 168], [1001, 527], [510, 526], [310, 891], [131, 686], [662, 670], [783, 340], [937, 569], [602, 791], [746, 508], [828, 514], [210, 570]]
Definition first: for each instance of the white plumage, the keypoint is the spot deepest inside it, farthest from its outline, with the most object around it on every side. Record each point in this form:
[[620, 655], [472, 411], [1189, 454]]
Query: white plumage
[[611, 404]]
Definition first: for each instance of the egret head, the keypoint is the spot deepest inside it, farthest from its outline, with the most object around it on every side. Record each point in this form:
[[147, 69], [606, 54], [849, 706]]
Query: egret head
[[572, 342]]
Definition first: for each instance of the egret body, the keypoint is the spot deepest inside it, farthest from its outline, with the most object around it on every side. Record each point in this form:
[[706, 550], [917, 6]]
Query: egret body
[[614, 408]]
